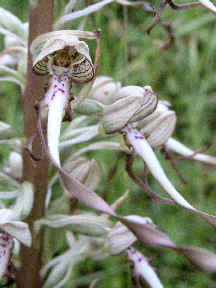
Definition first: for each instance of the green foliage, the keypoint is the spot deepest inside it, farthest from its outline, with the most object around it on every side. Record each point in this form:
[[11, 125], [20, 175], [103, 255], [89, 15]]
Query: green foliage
[[185, 75]]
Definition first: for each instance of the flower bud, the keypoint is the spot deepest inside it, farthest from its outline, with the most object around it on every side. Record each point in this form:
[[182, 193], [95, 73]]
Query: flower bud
[[90, 107], [62, 51], [150, 100], [14, 166], [7, 181], [133, 103], [104, 90], [6, 131], [159, 126], [14, 143], [86, 171], [7, 60], [10, 40], [119, 239]]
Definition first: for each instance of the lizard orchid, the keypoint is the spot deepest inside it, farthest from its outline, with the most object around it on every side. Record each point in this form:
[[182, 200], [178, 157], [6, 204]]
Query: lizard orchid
[[62, 56]]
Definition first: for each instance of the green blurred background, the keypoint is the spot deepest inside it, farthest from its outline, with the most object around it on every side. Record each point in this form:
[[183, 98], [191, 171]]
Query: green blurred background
[[185, 75]]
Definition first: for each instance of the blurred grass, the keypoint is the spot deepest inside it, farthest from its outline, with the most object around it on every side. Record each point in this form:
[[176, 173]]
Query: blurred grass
[[184, 75]]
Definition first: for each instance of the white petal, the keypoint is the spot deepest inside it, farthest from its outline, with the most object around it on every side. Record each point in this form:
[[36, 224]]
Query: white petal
[[6, 245], [142, 148], [19, 230], [24, 201], [102, 145], [6, 216], [9, 74], [87, 224], [80, 13], [89, 133], [11, 25], [209, 5], [55, 114], [142, 269], [9, 194], [181, 149]]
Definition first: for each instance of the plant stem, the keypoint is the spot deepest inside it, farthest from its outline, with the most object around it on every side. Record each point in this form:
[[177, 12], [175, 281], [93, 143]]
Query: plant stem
[[40, 21]]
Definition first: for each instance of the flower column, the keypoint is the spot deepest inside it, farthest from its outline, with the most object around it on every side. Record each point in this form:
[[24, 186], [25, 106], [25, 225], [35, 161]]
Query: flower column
[[40, 21]]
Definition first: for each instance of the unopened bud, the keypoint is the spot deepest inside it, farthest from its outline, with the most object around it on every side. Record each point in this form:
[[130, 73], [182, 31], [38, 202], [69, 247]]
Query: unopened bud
[[150, 100], [118, 239], [6, 131], [159, 126], [14, 167], [7, 60], [104, 90], [90, 107], [133, 103], [14, 143], [86, 171]]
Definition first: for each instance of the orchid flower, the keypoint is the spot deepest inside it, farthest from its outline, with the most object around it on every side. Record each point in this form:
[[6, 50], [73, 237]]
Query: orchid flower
[[66, 59]]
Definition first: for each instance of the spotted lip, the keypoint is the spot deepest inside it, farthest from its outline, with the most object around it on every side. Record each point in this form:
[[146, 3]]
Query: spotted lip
[[80, 71]]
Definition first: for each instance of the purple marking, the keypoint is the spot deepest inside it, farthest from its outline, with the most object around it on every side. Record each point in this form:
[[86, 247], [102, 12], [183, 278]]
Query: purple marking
[[54, 93], [139, 259], [139, 137], [128, 129], [61, 90]]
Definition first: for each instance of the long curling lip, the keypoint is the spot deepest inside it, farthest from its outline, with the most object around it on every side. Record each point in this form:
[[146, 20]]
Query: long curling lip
[[58, 96], [144, 150], [181, 149]]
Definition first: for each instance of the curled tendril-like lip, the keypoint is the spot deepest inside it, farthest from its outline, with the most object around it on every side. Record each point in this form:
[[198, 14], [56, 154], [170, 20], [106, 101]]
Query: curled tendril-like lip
[[64, 50]]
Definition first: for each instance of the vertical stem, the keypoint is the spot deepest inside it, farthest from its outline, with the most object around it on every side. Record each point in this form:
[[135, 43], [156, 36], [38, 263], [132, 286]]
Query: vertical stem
[[125, 10], [40, 21]]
